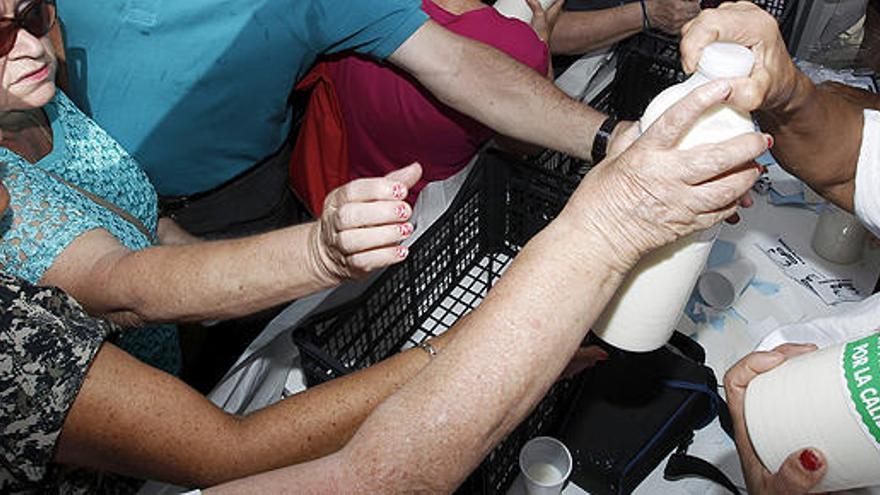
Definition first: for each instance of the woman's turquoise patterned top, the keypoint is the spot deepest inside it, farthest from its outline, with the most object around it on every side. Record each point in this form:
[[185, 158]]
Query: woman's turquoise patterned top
[[46, 215]]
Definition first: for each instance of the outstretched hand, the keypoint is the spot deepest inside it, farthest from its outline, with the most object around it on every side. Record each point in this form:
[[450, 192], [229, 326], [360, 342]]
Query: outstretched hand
[[362, 225]]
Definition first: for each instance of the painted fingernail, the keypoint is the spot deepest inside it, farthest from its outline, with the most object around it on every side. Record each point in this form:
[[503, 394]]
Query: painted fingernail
[[405, 229], [401, 211], [402, 251], [810, 461], [769, 141], [398, 191]]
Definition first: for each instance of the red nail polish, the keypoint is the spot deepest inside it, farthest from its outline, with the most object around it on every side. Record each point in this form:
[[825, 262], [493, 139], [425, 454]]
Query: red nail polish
[[405, 229], [769, 142], [810, 461], [402, 251], [398, 191], [401, 211]]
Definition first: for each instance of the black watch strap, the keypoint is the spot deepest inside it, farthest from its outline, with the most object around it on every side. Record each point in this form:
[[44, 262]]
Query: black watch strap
[[600, 142]]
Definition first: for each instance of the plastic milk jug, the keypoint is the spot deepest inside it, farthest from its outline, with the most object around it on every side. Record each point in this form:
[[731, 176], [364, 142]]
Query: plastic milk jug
[[519, 9], [828, 400], [642, 315]]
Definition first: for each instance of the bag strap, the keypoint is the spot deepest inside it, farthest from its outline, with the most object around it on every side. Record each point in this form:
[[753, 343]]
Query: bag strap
[[681, 465], [128, 217]]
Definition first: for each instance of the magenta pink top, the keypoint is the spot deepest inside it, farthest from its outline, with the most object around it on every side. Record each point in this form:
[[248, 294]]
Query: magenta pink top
[[392, 121]]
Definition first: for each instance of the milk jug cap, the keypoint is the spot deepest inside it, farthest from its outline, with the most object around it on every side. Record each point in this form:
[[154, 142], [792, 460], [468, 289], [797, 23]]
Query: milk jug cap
[[726, 60]]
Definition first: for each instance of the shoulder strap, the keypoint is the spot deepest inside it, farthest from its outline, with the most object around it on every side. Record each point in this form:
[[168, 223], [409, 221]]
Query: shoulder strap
[[681, 465], [128, 217]]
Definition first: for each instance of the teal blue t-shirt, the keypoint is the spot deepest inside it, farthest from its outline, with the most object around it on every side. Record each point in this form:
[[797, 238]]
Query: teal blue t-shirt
[[198, 90]]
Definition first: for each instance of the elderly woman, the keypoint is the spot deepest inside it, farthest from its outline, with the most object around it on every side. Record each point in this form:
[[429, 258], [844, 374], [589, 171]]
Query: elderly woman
[[83, 216]]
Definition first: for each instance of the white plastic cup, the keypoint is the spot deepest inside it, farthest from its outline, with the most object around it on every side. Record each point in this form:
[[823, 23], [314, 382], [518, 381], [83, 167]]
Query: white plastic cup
[[721, 286], [839, 236], [546, 464], [828, 400], [519, 9]]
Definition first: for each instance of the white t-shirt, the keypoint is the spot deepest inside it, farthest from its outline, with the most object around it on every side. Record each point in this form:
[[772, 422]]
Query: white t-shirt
[[867, 194]]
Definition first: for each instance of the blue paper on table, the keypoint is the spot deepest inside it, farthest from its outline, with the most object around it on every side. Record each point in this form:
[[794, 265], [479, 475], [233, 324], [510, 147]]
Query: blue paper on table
[[696, 308], [722, 252], [793, 200]]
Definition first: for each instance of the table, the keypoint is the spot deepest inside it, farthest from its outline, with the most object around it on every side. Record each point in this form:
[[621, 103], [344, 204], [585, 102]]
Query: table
[[724, 346]]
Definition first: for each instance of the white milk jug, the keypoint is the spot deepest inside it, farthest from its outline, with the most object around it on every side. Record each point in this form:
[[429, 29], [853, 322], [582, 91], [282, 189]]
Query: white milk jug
[[642, 315], [519, 9], [828, 400]]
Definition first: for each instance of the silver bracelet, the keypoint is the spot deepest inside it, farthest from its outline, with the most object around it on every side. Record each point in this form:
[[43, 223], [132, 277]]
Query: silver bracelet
[[427, 347]]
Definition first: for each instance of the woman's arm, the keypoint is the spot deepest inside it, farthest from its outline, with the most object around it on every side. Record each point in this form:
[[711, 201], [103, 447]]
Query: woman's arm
[[359, 231], [132, 419]]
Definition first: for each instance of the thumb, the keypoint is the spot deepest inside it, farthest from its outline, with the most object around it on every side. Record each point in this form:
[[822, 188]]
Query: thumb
[[408, 175], [800, 472], [535, 6]]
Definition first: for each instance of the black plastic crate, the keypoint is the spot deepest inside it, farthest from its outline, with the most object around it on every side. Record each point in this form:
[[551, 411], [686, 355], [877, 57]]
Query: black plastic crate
[[449, 271]]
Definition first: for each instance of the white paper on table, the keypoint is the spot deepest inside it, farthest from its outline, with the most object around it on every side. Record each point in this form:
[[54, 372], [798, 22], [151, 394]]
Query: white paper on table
[[831, 290]]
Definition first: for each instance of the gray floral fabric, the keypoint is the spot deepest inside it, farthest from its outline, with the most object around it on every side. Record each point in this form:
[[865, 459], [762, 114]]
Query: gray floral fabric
[[47, 343]]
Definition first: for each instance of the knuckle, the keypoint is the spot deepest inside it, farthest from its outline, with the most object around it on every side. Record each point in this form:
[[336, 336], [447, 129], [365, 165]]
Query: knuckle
[[346, 216]]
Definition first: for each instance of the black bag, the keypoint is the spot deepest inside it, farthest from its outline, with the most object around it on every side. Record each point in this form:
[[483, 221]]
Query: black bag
[[636, 409]]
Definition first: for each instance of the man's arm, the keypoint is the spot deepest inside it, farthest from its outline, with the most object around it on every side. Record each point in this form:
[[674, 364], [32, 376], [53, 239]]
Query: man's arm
[[580, 32], [818, 137], [501, 93], [132, 419]]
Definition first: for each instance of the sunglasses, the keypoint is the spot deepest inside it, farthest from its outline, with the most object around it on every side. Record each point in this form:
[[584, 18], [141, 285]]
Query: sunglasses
[[37, 18]]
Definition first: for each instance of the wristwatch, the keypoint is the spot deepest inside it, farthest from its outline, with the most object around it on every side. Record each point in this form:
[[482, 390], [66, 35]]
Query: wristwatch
[[600, 142]]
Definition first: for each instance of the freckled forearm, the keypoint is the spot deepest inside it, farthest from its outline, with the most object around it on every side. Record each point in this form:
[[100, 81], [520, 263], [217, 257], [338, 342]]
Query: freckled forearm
[[496, 359]]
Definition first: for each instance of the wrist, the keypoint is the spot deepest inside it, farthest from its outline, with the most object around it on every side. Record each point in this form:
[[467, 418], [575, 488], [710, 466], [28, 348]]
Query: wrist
[[797, 93], [320, 263], [590, 243], [603, 136], [646, 18]]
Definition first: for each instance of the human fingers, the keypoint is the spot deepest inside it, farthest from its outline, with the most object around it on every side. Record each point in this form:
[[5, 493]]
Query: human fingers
[[358, 215], [365, 239], [740, 374], [712, 160], [800, 472], [366, 190], [539, 21], [740, 22], [408, 175], [721, 194], [365, 262], [625, 133], [666, 131]]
